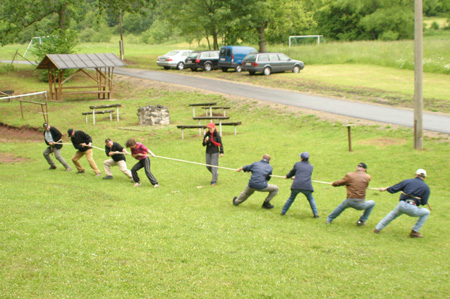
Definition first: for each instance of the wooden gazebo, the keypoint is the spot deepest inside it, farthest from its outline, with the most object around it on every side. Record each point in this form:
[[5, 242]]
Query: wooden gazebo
[[103, 64]]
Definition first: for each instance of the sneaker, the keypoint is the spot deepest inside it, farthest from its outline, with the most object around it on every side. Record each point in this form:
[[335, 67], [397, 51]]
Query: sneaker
[[376, 231], [316, 216], [108, 177], [68, 169], [52, 167], [234, 201], [414, 234], [360, 223], [137, 185], [282, 214], [267, 205], [155, 186], [99, 174], [213, 184], [81, 171]]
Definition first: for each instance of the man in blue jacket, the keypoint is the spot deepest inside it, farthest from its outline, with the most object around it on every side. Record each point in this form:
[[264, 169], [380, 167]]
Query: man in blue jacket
[[261, 172], [415, 192], [302, 184]]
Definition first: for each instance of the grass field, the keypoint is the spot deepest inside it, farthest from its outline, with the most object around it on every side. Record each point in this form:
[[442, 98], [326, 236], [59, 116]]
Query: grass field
[[66, 235]]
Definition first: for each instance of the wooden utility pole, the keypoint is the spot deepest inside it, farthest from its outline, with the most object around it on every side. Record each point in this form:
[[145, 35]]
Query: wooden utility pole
[[121, 37], [418, 75]]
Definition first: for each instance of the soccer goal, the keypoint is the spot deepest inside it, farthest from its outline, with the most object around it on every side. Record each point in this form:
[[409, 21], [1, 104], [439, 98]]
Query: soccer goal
[[33, 40], [296, 40]]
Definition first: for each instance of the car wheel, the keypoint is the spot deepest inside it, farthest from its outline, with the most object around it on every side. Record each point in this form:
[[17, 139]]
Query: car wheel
[[208, 67], [166, 67], [267, 71], [252, 72], [296, 69], [194, 69], [238, 68], [224, 69], [180, 66]]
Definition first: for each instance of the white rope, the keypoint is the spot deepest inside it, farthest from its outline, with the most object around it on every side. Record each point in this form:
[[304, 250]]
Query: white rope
[[179, 160]]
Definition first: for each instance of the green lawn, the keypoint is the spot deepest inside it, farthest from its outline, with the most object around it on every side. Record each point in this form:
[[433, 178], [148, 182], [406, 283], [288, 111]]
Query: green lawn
[[69, 235]]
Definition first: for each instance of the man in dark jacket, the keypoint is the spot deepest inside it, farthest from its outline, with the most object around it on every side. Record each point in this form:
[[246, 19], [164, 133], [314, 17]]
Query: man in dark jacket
[[415, 192], [302, 184], [83, 143], [116, 152], [356, 183], [261, 172], [52, 137]]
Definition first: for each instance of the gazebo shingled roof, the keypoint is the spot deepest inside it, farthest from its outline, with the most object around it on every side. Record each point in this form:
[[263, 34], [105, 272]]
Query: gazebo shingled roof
[[80, 61]]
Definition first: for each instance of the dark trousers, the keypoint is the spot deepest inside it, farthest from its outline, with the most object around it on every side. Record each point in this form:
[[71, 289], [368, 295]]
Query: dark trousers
[[144, 163]]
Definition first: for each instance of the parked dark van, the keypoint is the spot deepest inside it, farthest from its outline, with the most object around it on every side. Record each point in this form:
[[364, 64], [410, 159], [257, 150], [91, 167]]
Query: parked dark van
[[231, 57], [206, 60]]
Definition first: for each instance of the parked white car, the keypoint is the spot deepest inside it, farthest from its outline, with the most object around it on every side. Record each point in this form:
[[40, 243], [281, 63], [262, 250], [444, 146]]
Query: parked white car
[[174, 59]]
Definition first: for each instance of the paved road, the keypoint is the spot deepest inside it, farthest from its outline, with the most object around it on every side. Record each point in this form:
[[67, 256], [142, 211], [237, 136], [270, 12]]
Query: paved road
[[379, 113]]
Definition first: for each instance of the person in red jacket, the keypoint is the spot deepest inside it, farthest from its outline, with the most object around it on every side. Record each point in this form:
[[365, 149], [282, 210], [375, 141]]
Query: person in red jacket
[[140, 152], [214, 148]]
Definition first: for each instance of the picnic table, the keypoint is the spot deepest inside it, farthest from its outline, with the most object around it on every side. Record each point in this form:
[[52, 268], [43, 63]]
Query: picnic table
[[103, 112], [211, 118], [201, 104], [211, 108]]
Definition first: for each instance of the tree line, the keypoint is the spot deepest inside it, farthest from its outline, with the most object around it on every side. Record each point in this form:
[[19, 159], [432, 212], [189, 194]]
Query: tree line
[[218, 22]]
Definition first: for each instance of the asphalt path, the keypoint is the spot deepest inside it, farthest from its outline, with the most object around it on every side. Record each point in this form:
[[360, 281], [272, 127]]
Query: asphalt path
[[388, 115]]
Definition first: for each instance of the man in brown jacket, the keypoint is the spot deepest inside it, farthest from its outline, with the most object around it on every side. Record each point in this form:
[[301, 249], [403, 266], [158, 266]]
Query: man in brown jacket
[[356, 183]]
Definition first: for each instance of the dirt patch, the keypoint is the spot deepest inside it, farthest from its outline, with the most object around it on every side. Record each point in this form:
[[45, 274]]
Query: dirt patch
[[10, 158], [383, 141], [22, 134]]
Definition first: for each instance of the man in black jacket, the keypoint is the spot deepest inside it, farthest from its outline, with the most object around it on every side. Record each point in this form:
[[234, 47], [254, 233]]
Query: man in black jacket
[[83, 143], [52, 137], [116, 152]]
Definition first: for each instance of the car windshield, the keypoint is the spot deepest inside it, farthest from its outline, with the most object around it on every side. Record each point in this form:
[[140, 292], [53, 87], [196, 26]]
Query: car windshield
[[172, 53], [250, 58], [283, 57]]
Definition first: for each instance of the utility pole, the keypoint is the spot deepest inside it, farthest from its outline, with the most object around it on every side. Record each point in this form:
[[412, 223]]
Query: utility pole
[[418, 75], [121, 37]]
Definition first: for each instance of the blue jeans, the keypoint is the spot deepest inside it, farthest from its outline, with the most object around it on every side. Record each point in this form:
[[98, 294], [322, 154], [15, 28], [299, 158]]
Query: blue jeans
[[358, 204], [405, 208], [291, 199]]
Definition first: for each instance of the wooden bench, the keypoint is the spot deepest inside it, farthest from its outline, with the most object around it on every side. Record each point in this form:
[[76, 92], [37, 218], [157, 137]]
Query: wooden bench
[[200, 104], [182, 127], [104, 107], [211, 108], [98, 112]]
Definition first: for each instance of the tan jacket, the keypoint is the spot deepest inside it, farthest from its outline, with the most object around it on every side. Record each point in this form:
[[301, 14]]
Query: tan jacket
[[356, 183]]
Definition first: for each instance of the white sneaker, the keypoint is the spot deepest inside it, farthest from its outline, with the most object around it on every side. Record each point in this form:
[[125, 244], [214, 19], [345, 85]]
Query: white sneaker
[[156, 186], [137, 185]]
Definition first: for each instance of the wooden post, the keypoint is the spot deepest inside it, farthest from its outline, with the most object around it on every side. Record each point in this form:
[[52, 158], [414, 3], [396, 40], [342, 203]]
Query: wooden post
[[349, 133], [418, 75], [21, 108]]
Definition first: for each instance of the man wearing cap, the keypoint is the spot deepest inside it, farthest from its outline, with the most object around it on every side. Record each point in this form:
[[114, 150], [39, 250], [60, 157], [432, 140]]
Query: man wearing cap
[[415, 192], [214, 147], [116, 152], [52, 137], [301, 173], [83, 143], [261, 174], [356, 183]]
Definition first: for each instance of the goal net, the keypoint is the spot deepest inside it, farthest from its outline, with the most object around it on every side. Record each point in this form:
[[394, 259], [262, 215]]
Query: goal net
[[298, 40]]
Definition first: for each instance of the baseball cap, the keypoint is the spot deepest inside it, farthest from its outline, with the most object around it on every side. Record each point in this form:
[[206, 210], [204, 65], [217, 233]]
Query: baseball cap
[[69, 132], [211, 125], [421, 172], [304, 155], [363, 165]]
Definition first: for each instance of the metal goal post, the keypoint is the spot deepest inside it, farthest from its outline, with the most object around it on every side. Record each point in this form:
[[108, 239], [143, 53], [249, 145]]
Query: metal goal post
[[292, 37]]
